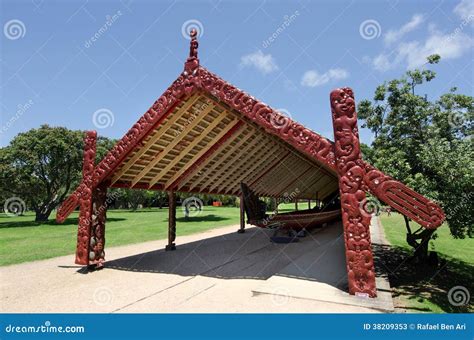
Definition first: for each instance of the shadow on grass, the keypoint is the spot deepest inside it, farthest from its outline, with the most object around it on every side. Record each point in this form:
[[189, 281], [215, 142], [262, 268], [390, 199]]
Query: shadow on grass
[[67, 222], [424, 282], [201, 218]]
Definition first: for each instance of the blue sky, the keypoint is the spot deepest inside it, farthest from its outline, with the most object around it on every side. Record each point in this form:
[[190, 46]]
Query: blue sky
[[52, 72]]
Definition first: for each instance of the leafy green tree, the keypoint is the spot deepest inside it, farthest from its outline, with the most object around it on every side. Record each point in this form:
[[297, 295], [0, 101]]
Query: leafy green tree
[[425, 143], [42, 166]]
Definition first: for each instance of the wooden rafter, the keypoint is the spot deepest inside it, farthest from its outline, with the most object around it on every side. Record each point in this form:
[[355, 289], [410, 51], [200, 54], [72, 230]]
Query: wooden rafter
[[154, 138], [227, 157], [186, 150], [260, 156], [171, 145], [222, 133], [230, 162]]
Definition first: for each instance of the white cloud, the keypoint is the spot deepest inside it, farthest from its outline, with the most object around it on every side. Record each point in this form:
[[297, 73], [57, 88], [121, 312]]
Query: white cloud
[[312, 78], [413, 54], [262, 62], [465, 10], [393, 36]]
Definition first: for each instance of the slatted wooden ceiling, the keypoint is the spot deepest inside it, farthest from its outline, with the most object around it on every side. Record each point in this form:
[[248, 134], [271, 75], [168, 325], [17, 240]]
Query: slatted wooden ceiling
[[204, 146]]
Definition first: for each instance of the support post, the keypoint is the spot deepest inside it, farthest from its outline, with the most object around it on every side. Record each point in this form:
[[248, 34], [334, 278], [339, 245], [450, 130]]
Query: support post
[[296, 204], [309, 203], [242, 215], [171, 221], [85, 200], [99, 216], [356, 221], [276, 205]]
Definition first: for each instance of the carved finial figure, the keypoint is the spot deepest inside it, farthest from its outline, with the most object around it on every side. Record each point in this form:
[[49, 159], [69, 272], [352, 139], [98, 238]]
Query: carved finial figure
[[193, 47]]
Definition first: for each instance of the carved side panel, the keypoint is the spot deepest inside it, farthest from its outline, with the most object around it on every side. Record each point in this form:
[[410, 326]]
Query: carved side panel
[[359, 259], [85, 199], [402, 198], [99, 216]]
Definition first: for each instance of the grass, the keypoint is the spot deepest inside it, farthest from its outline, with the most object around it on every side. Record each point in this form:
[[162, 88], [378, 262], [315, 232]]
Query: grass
[[424, 288], [22, 240]]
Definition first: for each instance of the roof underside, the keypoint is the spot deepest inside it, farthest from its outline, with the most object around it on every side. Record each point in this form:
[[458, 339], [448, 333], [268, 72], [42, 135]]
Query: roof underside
[[204, 146]]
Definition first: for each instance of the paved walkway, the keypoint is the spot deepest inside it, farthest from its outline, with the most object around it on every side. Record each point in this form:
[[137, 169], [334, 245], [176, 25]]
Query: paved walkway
[[214, 271]]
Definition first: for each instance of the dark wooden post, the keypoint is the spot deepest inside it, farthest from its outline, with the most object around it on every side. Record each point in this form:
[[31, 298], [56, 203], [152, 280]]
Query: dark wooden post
[[85, 200], [99, 216], [296, 204], [242, 215], [171, 221], [276, 205], [309, 203]]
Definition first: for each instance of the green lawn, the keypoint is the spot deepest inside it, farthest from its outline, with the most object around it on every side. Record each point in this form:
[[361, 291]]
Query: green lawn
[[22, 240], [420, 288]]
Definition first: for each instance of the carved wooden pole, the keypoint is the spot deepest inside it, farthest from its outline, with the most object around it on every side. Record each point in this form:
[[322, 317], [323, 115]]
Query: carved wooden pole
[[85, 199], [171, 221], [242, 215], [359, 259], [99, 215]]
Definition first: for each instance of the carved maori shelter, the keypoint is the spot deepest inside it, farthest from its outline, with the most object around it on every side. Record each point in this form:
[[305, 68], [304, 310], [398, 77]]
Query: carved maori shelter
[[204, 135]]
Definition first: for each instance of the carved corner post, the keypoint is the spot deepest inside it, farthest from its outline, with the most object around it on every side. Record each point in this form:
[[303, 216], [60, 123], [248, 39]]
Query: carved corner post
[[242, 215], [85, 200], [359, 259], [99, 212], [171, 221]]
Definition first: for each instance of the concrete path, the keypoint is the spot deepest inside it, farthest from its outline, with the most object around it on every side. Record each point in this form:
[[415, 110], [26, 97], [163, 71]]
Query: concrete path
[[215, 271]]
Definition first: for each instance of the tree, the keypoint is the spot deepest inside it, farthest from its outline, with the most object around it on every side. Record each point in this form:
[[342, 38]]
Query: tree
[[425, 143], [41, 166]]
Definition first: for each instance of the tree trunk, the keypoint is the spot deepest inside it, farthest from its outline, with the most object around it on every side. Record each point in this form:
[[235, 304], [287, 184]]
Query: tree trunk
[[42, 216]]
